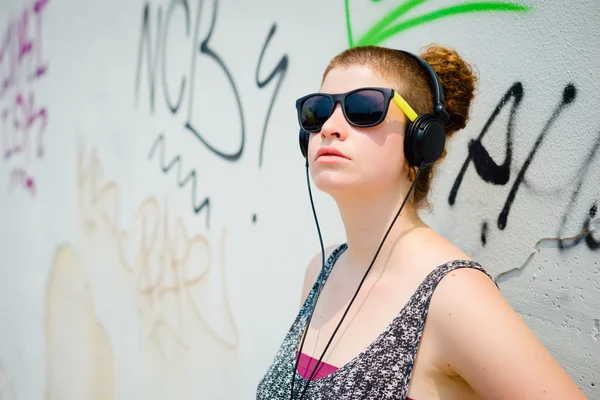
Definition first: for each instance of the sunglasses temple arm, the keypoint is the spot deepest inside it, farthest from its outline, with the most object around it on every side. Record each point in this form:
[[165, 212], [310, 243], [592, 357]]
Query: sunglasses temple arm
[[403, 105]]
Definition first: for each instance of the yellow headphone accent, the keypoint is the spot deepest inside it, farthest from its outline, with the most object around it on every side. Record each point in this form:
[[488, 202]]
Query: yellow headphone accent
[[406, 109]]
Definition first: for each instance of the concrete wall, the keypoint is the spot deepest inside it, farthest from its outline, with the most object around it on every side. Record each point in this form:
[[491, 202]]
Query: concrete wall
[[155, 218]]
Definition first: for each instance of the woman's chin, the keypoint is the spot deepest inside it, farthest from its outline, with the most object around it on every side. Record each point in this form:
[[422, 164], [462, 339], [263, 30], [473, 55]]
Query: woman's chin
[[338, 183], [332, 182]]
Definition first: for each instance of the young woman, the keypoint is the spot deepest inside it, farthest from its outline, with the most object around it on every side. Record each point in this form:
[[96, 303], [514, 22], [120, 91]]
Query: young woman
[[398, 312]]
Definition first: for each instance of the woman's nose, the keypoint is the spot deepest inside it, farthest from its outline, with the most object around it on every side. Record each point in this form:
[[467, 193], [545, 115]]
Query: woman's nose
[[336, 125]]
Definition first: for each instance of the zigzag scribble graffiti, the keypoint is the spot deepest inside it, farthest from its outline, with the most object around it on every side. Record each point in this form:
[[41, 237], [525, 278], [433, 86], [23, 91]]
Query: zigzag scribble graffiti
[[182, 181], [153, 61]]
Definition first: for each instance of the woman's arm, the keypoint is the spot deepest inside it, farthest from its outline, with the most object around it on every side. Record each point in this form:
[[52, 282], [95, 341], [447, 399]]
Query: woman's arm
[[489, 345]]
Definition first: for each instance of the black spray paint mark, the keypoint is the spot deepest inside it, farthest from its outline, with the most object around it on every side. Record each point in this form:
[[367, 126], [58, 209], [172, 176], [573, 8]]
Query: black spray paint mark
[[152, 59], [156, 49], [280, 70], [153, 45], [582, 173], [592, 243], [484, 232], [486, 167], [569, 94], [491, 172], [210, 52], [186, 9], [181, 181], [496, 174]]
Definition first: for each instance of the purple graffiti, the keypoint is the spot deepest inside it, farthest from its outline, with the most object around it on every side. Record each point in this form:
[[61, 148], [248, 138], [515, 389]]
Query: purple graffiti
[[19, 177], [22, 121], [25, 117], [21, 57]]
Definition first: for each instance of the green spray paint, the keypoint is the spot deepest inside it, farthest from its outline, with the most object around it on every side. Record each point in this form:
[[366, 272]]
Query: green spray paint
[[390, 25]]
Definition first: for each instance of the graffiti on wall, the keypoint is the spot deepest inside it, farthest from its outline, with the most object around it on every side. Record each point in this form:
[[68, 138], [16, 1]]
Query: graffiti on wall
[[76, 343], [153, 61], [395, 21], [22, 120], [171, 276], [499, 173]]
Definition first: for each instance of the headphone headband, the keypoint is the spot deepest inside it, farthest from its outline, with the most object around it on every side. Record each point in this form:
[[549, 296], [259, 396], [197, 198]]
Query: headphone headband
[[438, 90]]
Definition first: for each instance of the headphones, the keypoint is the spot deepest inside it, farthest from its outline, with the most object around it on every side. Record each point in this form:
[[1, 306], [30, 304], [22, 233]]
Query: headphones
[[425, 137]]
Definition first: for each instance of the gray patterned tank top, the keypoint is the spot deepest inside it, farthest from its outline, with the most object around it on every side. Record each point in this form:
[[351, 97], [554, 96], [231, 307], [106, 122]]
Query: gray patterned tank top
[[381, 371]]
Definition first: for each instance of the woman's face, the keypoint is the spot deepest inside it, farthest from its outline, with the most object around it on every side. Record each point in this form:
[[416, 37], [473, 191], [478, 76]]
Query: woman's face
[[373, 158]]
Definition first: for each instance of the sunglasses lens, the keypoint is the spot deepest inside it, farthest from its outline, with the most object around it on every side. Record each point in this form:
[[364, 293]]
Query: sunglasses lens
[[314, 112], [365, 107]]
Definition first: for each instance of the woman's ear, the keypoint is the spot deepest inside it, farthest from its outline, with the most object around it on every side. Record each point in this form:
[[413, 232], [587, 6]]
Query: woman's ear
[[410, 171], [412, 174]]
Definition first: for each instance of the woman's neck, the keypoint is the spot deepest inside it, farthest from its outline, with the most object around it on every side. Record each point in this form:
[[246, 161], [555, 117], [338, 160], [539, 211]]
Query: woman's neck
[[366, 219]]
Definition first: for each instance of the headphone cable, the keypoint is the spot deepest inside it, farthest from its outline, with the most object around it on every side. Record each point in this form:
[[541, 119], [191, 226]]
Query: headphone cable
[[305, 332], [321, 281]]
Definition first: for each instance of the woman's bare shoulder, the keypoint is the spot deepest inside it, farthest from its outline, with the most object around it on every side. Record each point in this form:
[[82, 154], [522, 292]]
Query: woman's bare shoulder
[[435, 250]]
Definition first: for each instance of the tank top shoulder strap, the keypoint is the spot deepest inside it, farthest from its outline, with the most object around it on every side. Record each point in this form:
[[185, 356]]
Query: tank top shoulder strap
[[435, 276], [323, 275], [420, 300]]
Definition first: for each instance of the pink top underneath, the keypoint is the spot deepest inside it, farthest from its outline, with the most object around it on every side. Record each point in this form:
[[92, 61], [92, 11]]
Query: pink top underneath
[[306, 365]]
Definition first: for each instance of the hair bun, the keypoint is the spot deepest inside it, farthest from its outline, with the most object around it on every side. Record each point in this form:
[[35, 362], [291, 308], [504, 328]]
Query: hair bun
[[458, 81]]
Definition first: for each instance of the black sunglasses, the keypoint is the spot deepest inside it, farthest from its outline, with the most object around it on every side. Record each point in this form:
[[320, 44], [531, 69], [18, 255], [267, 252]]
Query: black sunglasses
[[363, 107]]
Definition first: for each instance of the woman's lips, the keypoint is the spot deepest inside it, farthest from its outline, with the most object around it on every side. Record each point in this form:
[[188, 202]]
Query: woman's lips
[[330, 154]]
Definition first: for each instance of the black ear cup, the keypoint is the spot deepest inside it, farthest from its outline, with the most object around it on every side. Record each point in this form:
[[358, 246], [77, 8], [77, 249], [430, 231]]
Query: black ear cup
[[424, 140], [303, 137]]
